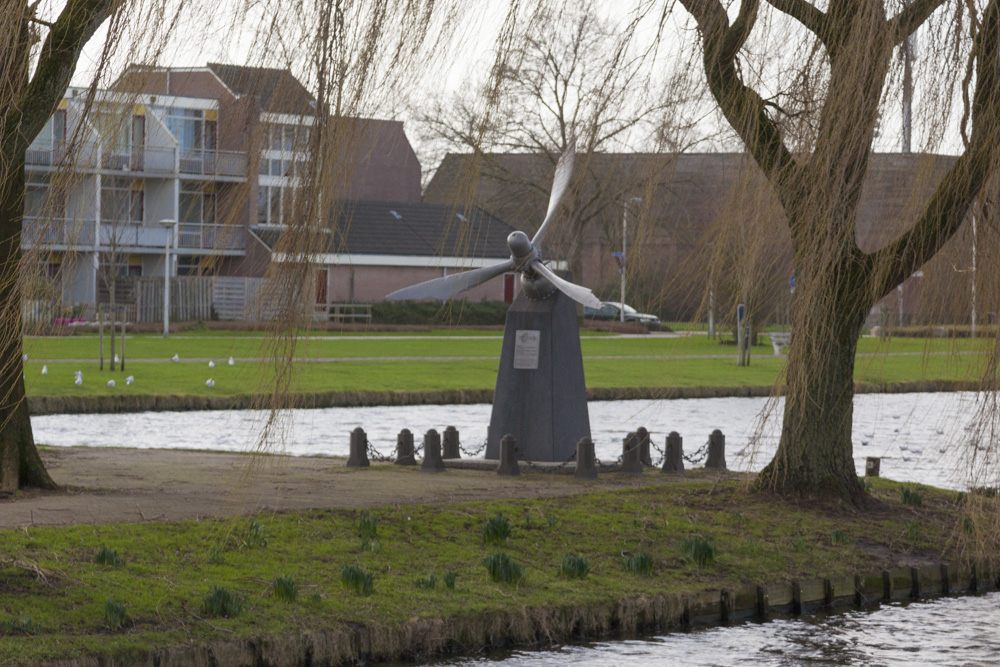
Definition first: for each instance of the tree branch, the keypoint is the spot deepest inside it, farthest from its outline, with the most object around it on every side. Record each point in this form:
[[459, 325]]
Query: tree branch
[[906, 22], [808, 15]]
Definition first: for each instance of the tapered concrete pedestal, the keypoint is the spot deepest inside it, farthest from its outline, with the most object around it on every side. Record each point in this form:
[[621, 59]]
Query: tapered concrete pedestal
[[541, 396]]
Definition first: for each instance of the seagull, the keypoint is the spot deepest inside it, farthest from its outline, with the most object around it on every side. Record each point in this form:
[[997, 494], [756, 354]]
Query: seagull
[[117, 358], [130, 379], [864, 443], [175, 358], [869, 435], [940, 431], [209, 382], [904, 447], [24, 357], [111, 383], [231, 362], [78, 381], [78, 374], [895, 416], [907, 458], [917, 451], [45, 370], [211, 364], [943, 450]]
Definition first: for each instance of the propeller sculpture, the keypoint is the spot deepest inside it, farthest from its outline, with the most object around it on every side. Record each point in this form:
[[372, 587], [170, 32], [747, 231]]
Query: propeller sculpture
[[537, 280]]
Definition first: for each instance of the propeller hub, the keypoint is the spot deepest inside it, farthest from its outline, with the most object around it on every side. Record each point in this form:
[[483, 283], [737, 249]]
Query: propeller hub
[[520, 246], [536, 287]]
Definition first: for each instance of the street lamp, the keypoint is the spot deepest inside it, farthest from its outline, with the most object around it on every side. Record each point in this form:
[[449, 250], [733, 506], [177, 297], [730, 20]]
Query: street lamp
[[624, 237], [169, 226]]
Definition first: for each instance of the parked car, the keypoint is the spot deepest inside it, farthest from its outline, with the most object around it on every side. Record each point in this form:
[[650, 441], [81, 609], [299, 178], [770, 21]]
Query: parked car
[[611, 310]]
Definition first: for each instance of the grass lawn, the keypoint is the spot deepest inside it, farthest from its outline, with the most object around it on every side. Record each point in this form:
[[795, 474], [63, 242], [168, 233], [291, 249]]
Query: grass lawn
[[384, 364], [56, 598]]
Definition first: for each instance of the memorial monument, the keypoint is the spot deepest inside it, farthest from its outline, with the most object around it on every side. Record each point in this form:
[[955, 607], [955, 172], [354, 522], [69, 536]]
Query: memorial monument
[[541, 396]]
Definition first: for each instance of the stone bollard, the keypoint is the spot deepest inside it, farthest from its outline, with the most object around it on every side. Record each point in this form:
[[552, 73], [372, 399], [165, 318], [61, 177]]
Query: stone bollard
[[631, 465], [872, 465], [508, 457], [358, 457], [404, 449], [643, 435], [586, 464], [432, 453], [673, 461], [716, 451], [449, 442]]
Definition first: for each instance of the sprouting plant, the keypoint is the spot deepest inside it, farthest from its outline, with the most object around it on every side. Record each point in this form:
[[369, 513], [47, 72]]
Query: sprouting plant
[[502, 568], [115, 613], [106, 556], [496, 530], [696, 549], [449, 580], [255, 536], [429, 582], [222, 603], [638, 563], [800, 545], [285, 588], [912, 529], [22, 626], [574, 567], [368, 526], [356, 579], [838, 536], [216, 556], [911, 497]]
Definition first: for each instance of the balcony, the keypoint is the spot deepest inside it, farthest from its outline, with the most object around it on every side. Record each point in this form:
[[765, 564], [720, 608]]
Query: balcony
[[203, 236], [126, 235], [145, 160], [214, 163], [57, 232]]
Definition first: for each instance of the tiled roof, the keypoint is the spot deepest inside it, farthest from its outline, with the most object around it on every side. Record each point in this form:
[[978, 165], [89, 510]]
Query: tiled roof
[[278, 90], [410, 229]]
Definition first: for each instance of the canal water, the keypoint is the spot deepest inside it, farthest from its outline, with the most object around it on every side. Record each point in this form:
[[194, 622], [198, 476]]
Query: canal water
[[920, 437]]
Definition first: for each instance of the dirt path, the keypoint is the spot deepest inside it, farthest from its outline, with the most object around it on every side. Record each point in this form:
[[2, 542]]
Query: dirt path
[[134, 485]]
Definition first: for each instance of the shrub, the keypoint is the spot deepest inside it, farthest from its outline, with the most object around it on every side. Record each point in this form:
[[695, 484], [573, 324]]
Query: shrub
[[496, 530], [911, 497], [106, 556], [449, 580], [502, 568], [429, 582], [696, 549], [470, 313], [356, 579], [638, 563], [222, 603], [285, 588], [115, 613], [367, 526], [574, 567]]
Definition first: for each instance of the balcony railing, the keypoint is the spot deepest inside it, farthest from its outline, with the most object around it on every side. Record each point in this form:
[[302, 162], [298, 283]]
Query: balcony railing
[[129, 235], [144, 160], [196, 236], [63, 232], [214, 163]]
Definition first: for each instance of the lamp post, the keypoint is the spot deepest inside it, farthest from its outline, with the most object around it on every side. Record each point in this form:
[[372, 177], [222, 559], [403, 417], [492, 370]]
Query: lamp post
[[169, 226], [621, 311]]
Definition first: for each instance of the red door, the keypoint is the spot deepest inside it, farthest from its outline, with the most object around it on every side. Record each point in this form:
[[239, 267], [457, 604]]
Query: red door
[[508, 287]]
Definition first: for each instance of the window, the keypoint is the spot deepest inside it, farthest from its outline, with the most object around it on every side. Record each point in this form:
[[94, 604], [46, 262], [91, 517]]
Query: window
[[274, 204], [53, 135], [121, 200], [188, 127], [196, 204], [188, 265], [36, 195]]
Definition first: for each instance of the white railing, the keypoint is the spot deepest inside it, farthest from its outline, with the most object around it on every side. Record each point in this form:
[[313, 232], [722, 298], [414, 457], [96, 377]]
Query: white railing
[[214, 163], [126, 234], [143, 160]]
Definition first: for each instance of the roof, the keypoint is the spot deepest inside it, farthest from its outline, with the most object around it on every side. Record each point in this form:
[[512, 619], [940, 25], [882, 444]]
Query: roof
[[409, 229], [277, 89]]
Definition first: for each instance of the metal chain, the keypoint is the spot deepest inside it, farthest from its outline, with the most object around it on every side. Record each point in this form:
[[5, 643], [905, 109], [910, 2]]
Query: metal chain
[[536, 468], [607, 466], [698, 455], [662, 454], [375, 454], [473, 454]]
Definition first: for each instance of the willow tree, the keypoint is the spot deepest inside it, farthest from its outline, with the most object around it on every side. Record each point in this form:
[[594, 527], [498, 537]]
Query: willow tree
[[820, 188], [32, 81]]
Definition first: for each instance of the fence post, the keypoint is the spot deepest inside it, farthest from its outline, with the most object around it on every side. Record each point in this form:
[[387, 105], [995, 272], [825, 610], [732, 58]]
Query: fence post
[[673, 461], [631, 465], [450, 443], [508, 457], [586, 465], [359, 449], [643, 436], [716, 451], [432, 453], [404, 449]]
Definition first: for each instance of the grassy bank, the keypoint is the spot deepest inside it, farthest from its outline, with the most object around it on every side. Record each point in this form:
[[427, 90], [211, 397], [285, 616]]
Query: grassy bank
[[283, 574]]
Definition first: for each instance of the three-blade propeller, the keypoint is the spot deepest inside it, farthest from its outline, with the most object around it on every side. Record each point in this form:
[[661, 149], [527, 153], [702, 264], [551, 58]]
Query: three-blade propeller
[[525, 258]]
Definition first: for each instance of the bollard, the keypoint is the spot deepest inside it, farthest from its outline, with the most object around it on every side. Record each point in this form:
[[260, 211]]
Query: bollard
[[432, 453], [673, 461], [643, 435], [586, 465], [449, 442], [508, 457], [359, 449], [631, 465], [404, 449], [716, 451], [872, 465]]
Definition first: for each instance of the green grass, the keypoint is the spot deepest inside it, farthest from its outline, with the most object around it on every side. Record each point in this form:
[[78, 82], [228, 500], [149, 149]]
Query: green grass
[[168, 583]]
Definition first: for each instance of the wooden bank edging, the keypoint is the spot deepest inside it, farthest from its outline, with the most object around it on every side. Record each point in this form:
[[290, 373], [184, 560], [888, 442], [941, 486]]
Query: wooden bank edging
[[356, 642], [51, 405]]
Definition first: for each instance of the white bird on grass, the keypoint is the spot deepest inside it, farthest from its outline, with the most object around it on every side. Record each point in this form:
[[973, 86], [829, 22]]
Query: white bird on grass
[[211, 364], [117, 359], [231, 362], [130, 379], [45, 370], [111, 383], [78, 381], [209, 382], [24, 357], [175, 358]]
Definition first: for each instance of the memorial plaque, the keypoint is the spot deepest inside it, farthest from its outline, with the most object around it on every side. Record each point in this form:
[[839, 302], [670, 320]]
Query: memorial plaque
[[526, 345]]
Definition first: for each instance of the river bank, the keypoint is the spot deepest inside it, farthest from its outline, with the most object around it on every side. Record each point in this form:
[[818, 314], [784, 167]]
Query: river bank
[[307, 526]]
